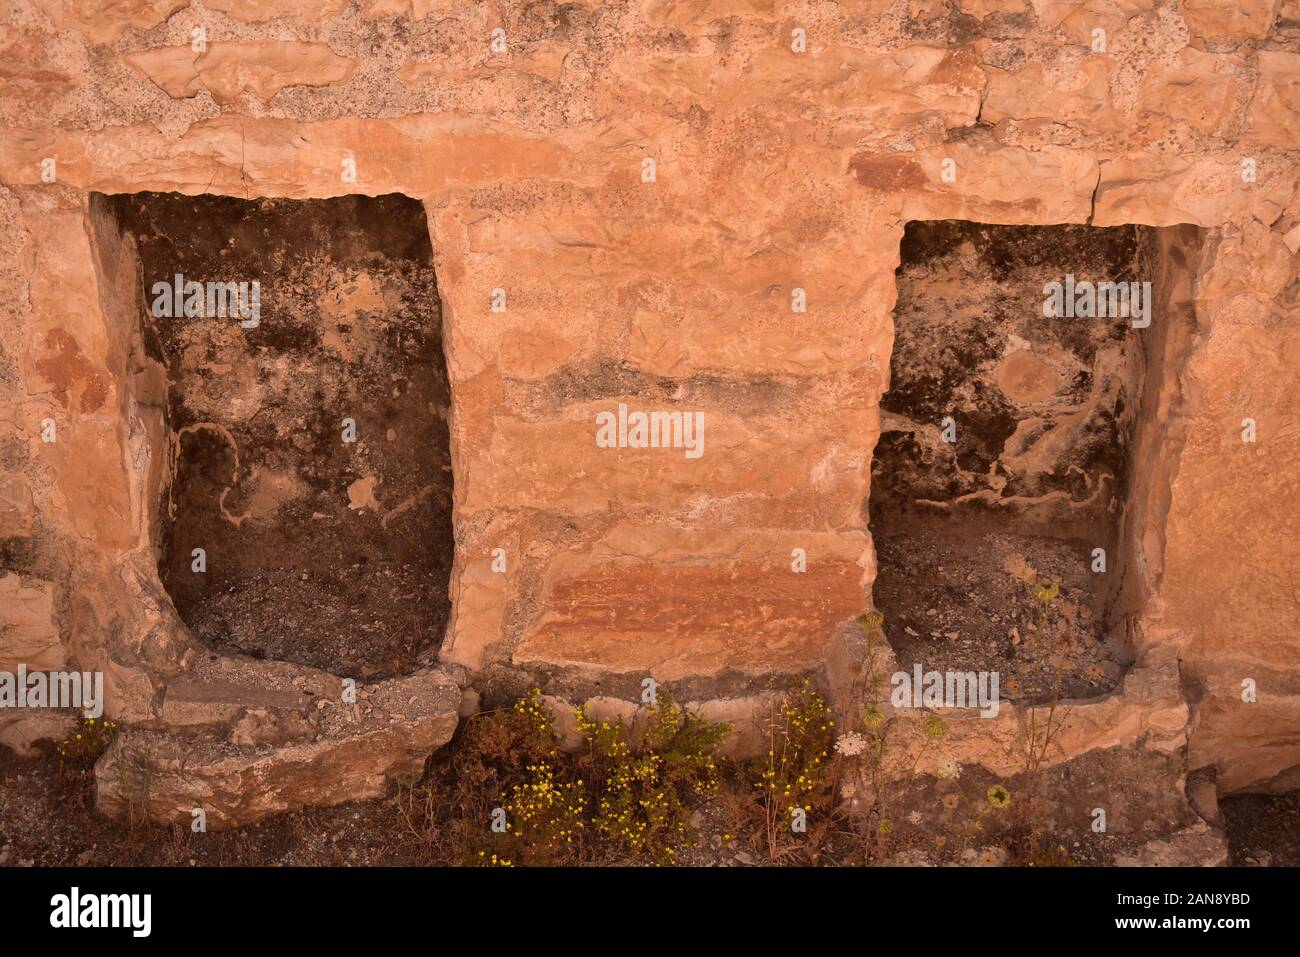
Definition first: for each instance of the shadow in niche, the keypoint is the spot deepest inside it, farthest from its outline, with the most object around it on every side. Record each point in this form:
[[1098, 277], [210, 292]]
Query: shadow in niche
[[309, 451], [1044, 417]]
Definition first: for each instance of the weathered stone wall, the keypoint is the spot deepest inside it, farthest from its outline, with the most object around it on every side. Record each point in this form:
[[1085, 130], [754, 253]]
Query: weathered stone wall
[[774, 171]]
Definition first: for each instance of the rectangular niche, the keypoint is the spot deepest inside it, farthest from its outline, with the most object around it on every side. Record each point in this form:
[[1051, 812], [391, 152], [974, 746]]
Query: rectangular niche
[[1014, 446], [304, 398]]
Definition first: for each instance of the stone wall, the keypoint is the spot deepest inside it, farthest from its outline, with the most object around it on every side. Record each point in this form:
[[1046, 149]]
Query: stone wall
[[790, 143]]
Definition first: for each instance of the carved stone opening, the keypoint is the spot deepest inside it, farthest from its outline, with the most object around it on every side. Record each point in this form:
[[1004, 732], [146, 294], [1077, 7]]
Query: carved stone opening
[[295, 350], [1021, 452]]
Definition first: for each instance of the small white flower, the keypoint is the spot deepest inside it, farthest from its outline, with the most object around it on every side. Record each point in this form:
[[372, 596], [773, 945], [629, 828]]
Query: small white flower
[[915, 817], [948, 769], [851, 744]]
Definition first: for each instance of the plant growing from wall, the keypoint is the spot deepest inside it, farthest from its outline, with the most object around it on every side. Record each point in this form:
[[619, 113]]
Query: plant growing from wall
[[796, 780], [82, 747], [1039, 730], [869, 749], [645, 786], [517, 798], [135, 771]]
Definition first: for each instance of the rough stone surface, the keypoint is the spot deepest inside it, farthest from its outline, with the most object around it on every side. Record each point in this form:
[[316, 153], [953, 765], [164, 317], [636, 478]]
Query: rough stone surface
[[747, 718], [774, 171], [29, 633], [1146, 712], [258, 766], [225, 70], [1197, 846]]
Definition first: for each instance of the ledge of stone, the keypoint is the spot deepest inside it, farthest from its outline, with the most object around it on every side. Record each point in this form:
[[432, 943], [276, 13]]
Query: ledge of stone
[[1197, 846], [243, 773]]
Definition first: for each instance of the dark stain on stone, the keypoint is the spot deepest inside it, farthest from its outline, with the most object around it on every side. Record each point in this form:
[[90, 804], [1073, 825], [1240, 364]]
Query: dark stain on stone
[[608, 379], [66, 368], [887, 174]]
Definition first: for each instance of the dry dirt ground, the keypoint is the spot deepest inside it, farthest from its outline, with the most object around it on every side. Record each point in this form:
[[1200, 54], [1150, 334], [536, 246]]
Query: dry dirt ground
[[978, 612], [1263, 830], [47, 818]]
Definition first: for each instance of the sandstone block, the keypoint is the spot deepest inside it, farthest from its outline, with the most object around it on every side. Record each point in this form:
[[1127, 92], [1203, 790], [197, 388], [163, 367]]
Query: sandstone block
[[1073, 92], [1197, 846], [228, 69], [17, 510], [619, 606], [1274, 116], [29, 633], [356, 755], [21, 732], [1241, 18], [998, 184]]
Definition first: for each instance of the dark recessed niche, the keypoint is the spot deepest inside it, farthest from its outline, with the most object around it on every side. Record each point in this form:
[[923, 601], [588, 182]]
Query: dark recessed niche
[[1046, 413], [318, 550]]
